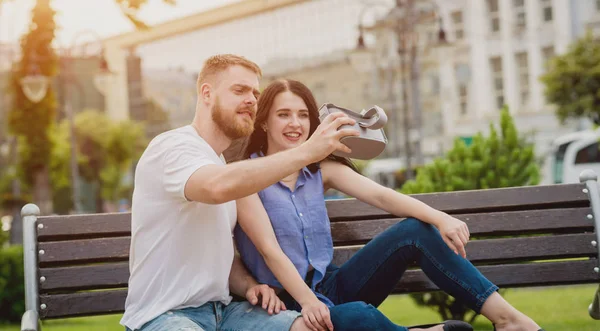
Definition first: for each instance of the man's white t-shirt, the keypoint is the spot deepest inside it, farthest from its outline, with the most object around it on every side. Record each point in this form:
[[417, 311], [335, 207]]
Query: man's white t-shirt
[[181, 251]]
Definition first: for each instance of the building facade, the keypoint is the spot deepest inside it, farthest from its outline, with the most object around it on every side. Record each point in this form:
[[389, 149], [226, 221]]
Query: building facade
[[496, 53]]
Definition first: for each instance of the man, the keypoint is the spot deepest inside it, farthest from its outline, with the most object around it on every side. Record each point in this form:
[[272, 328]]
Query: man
[[183, 211]]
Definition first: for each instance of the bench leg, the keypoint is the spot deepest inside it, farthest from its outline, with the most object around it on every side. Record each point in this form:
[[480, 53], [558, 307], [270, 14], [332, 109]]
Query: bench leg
[[594, 308], [30, 321]]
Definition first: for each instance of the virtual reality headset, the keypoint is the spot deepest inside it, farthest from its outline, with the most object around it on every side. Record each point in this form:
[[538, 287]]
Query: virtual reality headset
[[369, 123]]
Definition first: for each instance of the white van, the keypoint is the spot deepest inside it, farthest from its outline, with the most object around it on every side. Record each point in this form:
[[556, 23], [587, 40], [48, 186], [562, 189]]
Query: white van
[[573, 153]]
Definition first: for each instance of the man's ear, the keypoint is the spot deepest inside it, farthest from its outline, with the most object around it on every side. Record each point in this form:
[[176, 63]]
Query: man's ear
[[206, 91]]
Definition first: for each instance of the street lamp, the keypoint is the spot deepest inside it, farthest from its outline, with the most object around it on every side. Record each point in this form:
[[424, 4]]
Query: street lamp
[[35, 86], [402, 20]]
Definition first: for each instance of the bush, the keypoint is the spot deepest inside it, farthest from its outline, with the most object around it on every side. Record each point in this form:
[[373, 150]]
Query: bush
[[503, 159], [12, 287]]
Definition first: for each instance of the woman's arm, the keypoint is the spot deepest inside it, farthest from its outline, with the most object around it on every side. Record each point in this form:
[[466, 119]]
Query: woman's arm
[[255, 222], [344, 179]]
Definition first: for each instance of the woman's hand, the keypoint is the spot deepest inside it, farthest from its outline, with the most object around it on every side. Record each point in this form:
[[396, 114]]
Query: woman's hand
[[316, 316], [455, 233]]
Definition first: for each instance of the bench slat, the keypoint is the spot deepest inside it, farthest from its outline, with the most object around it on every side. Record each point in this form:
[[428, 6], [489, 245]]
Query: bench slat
[[533, 197], [517, 198], [85, 251], [515, 275], [513, 249], [117, 249], [111, 275], [83, 303], [492, 224], [82, 226]]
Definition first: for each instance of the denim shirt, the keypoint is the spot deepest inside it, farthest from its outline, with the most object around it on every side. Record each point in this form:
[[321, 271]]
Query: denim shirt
[[301, 225]]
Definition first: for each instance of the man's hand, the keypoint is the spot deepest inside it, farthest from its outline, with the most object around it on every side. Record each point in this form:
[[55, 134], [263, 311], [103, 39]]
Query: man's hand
[[263, 293], [455, 233], [326, 138]]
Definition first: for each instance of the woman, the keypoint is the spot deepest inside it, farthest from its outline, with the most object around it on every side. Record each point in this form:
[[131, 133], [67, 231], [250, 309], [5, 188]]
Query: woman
[[294, 250]]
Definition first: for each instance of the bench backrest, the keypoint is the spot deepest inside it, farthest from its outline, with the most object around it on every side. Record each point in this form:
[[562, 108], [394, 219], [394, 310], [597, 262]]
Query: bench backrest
[[538, 235]]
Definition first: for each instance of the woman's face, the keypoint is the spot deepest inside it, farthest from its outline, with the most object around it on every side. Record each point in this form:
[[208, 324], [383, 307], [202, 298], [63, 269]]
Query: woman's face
[[288, 123]]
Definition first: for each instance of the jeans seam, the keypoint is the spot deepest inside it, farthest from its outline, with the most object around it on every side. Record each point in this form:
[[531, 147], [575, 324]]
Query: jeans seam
[[450, 275], [483, 298]]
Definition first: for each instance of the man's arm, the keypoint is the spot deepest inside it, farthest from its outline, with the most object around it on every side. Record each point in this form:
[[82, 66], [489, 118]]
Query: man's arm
[[243, 284], [240, 280], [216, 184]]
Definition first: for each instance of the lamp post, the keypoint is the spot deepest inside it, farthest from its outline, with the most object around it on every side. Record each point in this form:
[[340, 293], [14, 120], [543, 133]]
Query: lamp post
[[35, 89], [402, 19]]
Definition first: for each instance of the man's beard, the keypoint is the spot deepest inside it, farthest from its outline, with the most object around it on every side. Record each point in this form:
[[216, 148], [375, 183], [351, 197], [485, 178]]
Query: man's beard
[[232, 126]]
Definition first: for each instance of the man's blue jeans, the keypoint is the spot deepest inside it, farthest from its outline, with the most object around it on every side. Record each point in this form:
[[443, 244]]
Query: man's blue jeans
[[365, 281]]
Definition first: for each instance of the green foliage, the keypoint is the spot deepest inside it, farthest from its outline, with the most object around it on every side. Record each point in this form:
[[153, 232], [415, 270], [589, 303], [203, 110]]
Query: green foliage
[[106, 150], [573, 80], [12, 290], [502, 159]]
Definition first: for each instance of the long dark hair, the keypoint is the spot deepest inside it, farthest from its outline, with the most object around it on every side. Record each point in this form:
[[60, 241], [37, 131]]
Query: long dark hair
[[258, 140]]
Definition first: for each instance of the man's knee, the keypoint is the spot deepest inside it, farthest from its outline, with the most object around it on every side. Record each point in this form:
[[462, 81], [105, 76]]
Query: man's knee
[[172, 321], [299, 325]]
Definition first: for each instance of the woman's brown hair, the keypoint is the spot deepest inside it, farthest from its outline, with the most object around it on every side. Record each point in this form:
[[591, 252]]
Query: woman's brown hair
[[258, 140]]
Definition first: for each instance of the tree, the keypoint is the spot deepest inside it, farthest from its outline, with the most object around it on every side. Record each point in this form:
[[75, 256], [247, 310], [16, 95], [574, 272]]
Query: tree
[[106, 151], [30, 121], [498, 160], [573, 80]]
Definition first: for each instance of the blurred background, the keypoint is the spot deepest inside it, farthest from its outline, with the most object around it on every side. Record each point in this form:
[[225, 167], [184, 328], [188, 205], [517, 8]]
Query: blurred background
[[85, 85]]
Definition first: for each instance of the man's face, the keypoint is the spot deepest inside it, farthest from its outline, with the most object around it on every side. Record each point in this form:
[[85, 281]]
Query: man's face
[[234, 106]]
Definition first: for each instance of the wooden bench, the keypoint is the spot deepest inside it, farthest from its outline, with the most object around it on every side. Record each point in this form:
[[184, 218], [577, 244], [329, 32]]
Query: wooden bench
[[78, 265]]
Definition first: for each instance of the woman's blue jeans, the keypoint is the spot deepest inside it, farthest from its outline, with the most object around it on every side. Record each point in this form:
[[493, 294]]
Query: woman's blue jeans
[[365, 281]]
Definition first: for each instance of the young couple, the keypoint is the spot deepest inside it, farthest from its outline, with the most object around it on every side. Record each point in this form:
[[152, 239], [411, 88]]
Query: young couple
[[188, 203]]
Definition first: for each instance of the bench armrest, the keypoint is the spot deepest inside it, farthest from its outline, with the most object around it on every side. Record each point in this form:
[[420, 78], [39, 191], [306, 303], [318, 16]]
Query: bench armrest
[[30, 322]]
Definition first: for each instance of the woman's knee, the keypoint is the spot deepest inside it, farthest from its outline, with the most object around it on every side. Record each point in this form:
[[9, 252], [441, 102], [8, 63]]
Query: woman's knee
[[413, 228]]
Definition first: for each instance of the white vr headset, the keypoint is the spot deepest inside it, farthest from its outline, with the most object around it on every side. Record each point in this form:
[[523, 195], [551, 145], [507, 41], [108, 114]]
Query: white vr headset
[[369, 123]]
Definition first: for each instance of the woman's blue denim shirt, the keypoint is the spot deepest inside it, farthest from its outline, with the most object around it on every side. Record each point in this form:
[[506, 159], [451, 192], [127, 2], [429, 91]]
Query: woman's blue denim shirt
[[301, 224]]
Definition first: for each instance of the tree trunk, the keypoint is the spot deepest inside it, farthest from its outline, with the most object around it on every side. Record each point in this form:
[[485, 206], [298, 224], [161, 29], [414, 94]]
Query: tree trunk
[[42, 191]]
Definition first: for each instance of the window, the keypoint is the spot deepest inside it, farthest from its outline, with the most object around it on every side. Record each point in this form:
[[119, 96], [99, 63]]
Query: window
[[589, 154], [520, 13], [597, 5], [547, 10], [457, 23], [498, 83], [462, 79], [494, 13], [523, 76], [559, 160], [548, 52]]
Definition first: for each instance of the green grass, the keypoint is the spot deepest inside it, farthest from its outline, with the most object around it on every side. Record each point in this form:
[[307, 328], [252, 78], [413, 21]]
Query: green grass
[[557, 308]]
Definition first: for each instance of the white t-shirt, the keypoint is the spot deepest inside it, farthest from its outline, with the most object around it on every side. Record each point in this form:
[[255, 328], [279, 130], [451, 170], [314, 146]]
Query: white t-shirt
[[181, 251]]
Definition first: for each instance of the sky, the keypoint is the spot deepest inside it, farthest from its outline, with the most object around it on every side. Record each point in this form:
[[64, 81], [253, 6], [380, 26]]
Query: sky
[[102, 16]]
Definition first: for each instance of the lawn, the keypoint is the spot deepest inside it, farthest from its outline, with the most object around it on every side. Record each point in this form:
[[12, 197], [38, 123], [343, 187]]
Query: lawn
[[558, 308]]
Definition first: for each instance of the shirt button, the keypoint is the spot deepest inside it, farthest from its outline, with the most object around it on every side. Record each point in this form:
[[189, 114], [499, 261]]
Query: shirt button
[[293, 196], [305, 237], [300, 214]]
